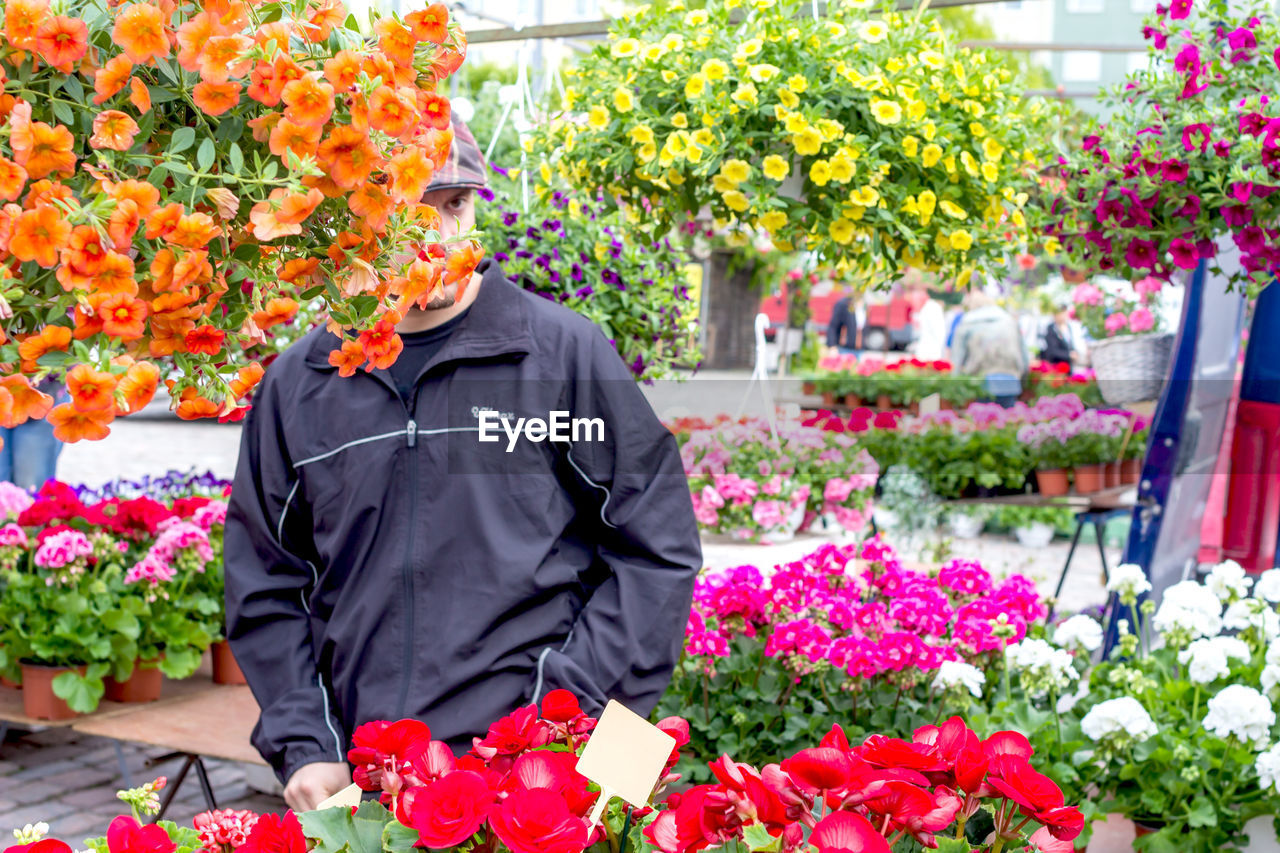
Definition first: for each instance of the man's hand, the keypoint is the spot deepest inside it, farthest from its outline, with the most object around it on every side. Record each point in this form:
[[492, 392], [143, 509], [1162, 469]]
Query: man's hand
[[312, 784]]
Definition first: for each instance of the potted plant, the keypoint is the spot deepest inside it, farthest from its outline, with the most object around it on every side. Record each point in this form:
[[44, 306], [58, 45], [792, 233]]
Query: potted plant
[[968, 522], [1052, 458], [1032, 526], [1135, 451]]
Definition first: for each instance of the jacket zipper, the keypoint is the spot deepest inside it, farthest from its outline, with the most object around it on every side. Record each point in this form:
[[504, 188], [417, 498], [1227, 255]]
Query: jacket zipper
[[406, 571]]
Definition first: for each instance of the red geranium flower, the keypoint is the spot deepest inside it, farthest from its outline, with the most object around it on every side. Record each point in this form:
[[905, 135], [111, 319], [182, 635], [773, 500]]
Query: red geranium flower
[[538, 821], [560, 706], [818, 771], [448, 811], [46, 845], [844, 832], [882, 751], [275, 834], [126, 835], [515, 733], [382, 751], [1033, 791]]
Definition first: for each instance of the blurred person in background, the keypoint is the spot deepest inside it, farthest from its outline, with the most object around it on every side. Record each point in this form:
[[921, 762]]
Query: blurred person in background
[[928, 320], [988, 343], [1062, 345], [842, 331], [29, 456]]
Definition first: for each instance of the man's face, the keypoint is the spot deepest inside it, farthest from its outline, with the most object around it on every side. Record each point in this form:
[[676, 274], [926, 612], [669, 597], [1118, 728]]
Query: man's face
[[457, 208]]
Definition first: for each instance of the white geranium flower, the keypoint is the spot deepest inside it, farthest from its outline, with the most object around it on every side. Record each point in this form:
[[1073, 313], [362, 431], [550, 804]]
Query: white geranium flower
[[1067, 703], [1268, 767], [1268, 586], [1228, 581], [31, 833], [1041, 666], [1079, 632], [1252, 613], [1211, 659], [1188, 608], [1270, 678], [1243, 713], [1121, 719], [1128, 579], [1273, 652], [954, 673]]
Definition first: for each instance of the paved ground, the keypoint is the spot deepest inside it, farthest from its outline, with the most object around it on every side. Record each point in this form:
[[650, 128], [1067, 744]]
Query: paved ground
[[69, 780]]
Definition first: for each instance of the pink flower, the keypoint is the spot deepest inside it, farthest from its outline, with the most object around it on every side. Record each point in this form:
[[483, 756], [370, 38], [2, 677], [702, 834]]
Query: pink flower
[[12, 534], [1086, 294], [837, 490], [62, 549], [212, 513], [850, 519], [1185, 254], [1141, 320], [13, 499], [711, 497], [1148, 286], [767, 514], [1116, 322]]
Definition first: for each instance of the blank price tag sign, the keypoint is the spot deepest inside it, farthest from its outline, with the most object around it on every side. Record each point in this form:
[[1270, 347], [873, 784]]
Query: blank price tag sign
[[625, 757], [347, 797]]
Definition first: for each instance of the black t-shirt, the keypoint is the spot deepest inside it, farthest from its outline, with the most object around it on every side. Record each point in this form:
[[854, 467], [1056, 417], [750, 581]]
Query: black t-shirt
[[419, 348]]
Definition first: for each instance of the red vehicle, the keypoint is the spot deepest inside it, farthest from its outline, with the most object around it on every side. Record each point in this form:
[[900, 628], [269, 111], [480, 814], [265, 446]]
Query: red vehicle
[[888, 319]]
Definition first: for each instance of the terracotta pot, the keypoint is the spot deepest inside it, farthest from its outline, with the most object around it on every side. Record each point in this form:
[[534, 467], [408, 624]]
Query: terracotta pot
[[38, 698], [12, 685], [1090, 478], [853, 401], [946, 406], [1111, 475], [225, 668], [883, 403], [808, 388], [828, 398], [1130, 472], [914, 408], [1140, 829], [143, 685], [1052, 482]]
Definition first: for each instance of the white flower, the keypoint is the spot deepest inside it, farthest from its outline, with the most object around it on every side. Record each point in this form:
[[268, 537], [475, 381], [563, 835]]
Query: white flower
[[1079, 632], [31, 833], [1041, 666], [1128, 579], [1273, 652], [1270, 678], [1268, 767], [1228, 581], [954, 673], [1268, 586], [1124, 717], [1189, 608], [1210, 659], [1252, 613], [1243, 713], [1068, 702]]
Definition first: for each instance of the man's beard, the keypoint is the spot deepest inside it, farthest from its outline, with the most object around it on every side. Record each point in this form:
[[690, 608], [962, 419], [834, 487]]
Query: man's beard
[[438, 301]]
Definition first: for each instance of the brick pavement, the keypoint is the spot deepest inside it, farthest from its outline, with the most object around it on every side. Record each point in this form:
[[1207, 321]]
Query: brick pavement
[[69, 780]]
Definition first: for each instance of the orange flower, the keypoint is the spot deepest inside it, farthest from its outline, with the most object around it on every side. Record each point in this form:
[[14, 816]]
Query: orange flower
[[47, 340], [430, 24], [71, 425], [342, 70], [205, 339], [192, 268], [139, 95], [38, 235], [91, 390], [246, 379], [28, 402], [224, 57], [139, 385], [422, 283], [462, 262], [410, 173], [372, 203], [162, 272], [322, 20], [192, 37], [111, 78], [435, 111], [301, 139], [347, 359], [391, 112], [279, 310], [308, 101], [139, 30], [39, 148], [348, 156], [86, 325], [143, 194], [193, 407], [116, 275], [216, 98], [282, 213], [262, 86], [396, 40], [161, 222], [85, 252], [284, 69], [299, 268], [437, 144], [123, 316], [450, 60], [45, 192], [123, 224], [113, 129], [62, 42], [22, 19], [12, 179], [193, 231], [381, 345]]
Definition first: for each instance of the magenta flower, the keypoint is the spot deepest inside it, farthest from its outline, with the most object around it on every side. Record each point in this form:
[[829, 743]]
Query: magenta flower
[[1251, 240], [1237, 215], [1116, 322], [1158, 38], [1242, 42], [1184, 253], [1174, 171], [1179, 9], [1188, 60], [1141, 254], [1141, 320], [11, 535], [1189, 134]]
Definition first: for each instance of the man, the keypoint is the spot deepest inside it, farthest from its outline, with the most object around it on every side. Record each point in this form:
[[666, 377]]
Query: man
[[929, 321], [384, 559], [1060, 339], [842, 330], [989, 344]]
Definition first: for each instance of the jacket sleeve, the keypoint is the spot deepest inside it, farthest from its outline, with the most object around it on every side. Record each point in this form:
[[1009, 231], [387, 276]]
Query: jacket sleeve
[[266, 587], [628, 637]]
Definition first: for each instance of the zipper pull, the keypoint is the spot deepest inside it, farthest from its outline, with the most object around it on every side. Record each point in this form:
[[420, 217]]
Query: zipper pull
[[413, 433]]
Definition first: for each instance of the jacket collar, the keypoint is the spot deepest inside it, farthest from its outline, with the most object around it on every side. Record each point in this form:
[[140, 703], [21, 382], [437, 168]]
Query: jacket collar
[[496, 325]]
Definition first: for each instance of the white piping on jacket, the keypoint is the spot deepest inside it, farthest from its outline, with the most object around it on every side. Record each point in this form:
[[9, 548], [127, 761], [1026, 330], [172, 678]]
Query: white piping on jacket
[[607, 494]]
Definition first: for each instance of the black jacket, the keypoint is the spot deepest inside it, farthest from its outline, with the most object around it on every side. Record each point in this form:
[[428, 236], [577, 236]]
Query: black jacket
[[1056, 349], [382, 562], [842, 319]]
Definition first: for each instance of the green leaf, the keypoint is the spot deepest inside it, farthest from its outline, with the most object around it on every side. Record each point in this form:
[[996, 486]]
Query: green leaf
[[180, 663], [337, 829], [236, 158], [120, 622], [759, 840], [63, 111], [398, 838], [312, 292], [1202, 813], [72, 84], [82, 694], [183, 138], [205, 155], [952, 845]]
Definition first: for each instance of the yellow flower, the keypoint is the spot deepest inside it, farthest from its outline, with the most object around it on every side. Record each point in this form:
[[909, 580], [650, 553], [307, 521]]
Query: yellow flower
[[1052, 246], [736, 201], [746, 50], [647, 152], [820, 172], [930, 131], [969, 163], [622, 100], [624, 48], [722, 185], [916, 110], [910, 146], [640, 134], [696, 18], [704, 137], [991, 149], [831, 129], [775, 168], [747, 95], [795, 123], [788, 98], [932, 58], [654, 52], [807, 141], [842, 169], [865, 196], [693, 154], [949, 163], [570, 97], [886, 112], [773, 221], [678, 142], [841, 230], [798, 83], [673, 42], [835, 30], [669, 76], [764, 72], [736, 170], [695, 86], [953, 210], [598, 117], [895, 65], [961, 240], [674, 177], [680, 120], [715, 69], [873, 32], [708, 119], [927, 203], [976, 128], [990, 172]]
